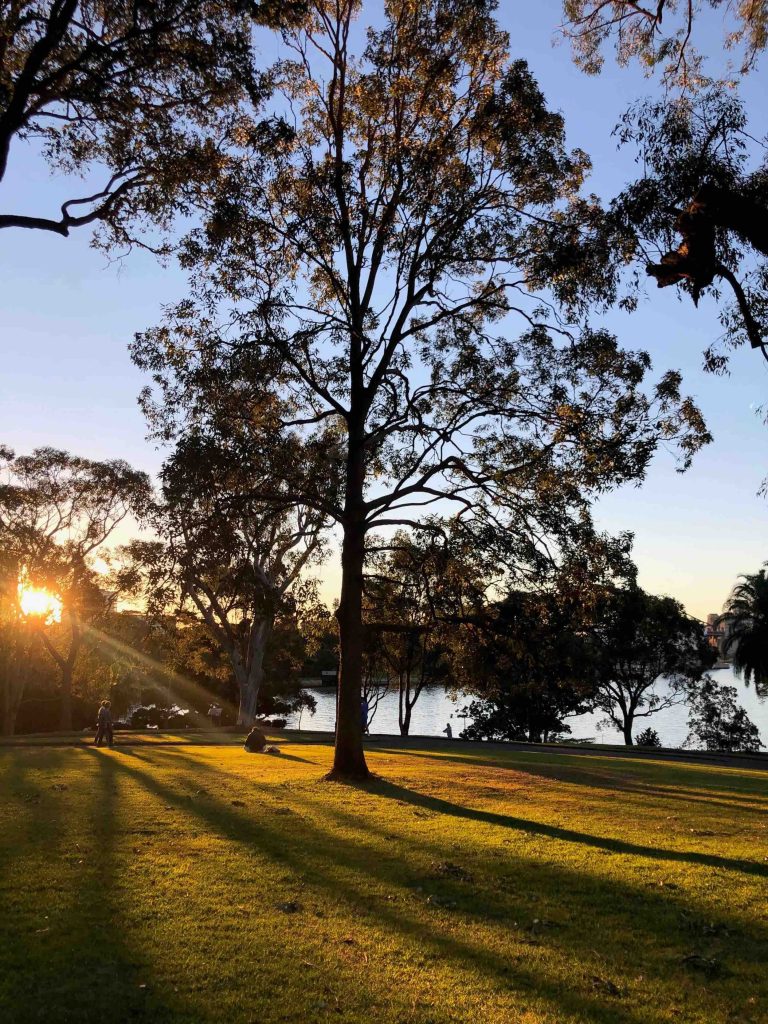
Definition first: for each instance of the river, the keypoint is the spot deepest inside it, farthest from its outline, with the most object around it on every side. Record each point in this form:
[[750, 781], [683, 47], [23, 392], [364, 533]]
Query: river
[[434, 710]]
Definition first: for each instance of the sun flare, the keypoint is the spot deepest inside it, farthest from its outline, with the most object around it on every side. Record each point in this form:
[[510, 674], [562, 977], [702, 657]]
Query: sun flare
[[39, 603]]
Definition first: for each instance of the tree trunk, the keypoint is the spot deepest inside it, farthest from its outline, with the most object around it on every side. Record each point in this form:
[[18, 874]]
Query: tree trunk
[[67, 668], [627, 730], [65, 720], [405, 720], [349, 758], [251, 677], [16, 657], [11, 694]]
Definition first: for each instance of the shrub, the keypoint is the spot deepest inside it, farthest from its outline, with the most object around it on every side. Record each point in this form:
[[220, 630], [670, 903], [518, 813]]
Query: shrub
[[648, 738]]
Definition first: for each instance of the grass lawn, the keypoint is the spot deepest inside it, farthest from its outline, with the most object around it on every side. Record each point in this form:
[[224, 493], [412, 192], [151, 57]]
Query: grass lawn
[[193, 883]]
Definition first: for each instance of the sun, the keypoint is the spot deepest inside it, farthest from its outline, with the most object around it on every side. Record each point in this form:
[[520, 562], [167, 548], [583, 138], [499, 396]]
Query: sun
[[40, 604]]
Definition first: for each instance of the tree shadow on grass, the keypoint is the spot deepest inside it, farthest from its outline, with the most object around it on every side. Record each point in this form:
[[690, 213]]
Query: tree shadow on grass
[[64, 947], [394, 791], [611, 779], [323, 858]]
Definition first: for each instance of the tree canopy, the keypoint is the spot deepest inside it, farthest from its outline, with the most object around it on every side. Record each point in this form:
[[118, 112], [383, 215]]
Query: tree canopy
[[56, 511], [697, 218], [128, 92], [651, 652], [377, 275], [663, 34], [221, 555]]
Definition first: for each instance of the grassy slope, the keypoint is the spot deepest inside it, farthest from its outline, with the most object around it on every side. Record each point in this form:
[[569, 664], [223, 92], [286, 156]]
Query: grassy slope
[[196, 883]]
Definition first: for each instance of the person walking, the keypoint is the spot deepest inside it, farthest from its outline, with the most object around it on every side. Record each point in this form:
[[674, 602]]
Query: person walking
[[448, 731], [104, 725]]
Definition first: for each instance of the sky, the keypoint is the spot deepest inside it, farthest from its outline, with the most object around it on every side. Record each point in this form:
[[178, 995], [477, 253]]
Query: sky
[[68, 314]]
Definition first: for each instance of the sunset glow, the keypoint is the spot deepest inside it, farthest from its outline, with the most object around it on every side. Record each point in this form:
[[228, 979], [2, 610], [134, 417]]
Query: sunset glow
[[39, 603]]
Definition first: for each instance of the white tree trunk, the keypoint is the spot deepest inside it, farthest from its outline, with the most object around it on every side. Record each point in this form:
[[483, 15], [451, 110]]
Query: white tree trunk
[[250, 677]]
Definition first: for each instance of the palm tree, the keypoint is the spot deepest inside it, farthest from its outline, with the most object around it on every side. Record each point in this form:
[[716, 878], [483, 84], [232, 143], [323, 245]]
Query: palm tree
[[746, 615]]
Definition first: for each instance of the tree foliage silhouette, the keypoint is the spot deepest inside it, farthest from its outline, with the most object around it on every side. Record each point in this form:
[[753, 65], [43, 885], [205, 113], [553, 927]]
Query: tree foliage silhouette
[[365, 283]]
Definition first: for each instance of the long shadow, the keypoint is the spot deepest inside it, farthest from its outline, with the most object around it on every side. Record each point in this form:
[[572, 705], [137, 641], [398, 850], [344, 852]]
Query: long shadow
[[65, 941], [424, 801], [309, 865], [437, 804], [635, 755], [609, 779], [282, 756], [322, 843]]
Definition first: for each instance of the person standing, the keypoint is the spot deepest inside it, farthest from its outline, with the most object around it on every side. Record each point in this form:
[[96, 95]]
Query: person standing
[[104, 725], [448, 731], [364, 715]]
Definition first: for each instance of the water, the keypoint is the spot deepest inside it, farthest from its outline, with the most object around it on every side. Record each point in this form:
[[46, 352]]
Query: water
[[434, 710]]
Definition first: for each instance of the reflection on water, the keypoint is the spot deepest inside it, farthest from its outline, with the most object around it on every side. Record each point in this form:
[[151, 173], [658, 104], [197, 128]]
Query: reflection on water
[[434, 710]]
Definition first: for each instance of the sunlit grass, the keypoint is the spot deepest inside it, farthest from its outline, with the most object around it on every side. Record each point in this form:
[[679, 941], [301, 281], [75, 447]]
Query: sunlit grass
[[197, 883]]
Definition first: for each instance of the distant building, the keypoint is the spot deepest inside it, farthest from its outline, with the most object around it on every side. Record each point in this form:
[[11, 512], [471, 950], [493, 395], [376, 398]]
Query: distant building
[[716, 633]]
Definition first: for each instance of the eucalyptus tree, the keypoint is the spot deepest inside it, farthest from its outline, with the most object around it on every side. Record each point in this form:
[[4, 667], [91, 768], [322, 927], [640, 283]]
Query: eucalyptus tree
[[127, 92], [717, 721], [56, 511], [380, 278], [746, 621], [527, 667], [663, 35], [697, 217], [222, 556]]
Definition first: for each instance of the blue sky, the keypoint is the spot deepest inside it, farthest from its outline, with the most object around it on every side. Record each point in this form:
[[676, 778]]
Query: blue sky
[[67, 315]]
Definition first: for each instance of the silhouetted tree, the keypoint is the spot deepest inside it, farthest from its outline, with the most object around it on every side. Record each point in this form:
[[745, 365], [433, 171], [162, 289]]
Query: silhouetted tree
[[662, 34], [717, 722], [220, 554], [698, 215], [531, 665], [651, 651], [366, 267], [746, 620], [128, 92], [410, 598]]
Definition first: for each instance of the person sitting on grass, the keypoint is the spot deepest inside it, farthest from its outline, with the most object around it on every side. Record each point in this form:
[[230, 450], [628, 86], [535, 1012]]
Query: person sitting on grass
[[104, 724], [256, 743]]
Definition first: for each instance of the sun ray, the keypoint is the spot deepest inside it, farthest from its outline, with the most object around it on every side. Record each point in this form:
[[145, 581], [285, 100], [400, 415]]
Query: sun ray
[[164, 676]]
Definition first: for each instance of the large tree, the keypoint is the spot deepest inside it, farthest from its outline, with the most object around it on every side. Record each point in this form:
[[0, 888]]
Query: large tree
[[651, 654], [373, 273], [127, 92], [221, 555], [56, 511], [717, 722]]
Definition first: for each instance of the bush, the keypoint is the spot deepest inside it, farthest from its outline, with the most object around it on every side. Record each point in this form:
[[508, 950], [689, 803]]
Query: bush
[[648, 738], [144, 717]]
